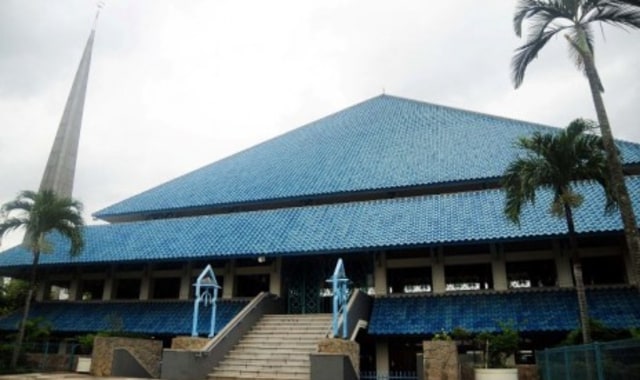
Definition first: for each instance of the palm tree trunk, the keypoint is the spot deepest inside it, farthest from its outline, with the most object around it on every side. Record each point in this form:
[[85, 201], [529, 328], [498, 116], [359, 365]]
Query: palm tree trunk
[[583, 307], [615, 169], [27, 305]]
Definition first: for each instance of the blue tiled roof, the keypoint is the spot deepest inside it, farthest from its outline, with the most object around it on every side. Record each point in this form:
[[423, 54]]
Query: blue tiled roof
[[385, 142], [144, 317], [551, 310], [413, 221]]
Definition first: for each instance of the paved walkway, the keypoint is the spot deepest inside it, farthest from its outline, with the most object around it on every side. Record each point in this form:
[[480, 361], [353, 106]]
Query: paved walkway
[[60, 376]]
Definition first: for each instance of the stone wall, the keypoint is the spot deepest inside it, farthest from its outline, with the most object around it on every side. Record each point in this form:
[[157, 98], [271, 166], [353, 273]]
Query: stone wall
[[147, 352], [51, 362], [440, 360], [528, 372], [341, 346], [189, 343]]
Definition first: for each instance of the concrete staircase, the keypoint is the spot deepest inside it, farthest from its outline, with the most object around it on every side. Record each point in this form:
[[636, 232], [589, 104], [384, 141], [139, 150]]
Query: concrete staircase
[[277, 348]]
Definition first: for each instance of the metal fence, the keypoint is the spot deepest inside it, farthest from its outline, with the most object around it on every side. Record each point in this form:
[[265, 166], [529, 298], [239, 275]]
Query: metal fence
[[402, 375], [617, 360]]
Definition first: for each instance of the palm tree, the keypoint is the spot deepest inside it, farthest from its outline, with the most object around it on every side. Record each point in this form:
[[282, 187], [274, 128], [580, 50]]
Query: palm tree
[[548, 18], [553, 162], [40, 214]]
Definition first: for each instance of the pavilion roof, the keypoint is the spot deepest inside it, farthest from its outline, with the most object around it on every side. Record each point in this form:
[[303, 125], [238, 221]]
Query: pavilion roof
[[381, 144]]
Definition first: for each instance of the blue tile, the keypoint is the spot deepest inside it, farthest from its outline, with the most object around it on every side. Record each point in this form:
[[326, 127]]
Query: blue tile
[[549, 310], [384, 142], [151, 317]]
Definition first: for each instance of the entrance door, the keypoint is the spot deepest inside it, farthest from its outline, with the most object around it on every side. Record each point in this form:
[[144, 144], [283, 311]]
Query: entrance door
[[305, 282]]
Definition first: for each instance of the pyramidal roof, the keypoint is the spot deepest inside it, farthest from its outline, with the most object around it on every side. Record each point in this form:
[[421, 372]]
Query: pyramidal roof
[[384, 143]]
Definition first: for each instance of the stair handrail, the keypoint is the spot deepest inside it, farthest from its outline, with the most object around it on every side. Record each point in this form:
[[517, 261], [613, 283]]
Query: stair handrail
[[196, 364], [359, 310]]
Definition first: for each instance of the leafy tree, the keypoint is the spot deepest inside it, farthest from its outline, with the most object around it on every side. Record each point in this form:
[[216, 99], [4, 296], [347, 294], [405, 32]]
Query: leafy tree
[[40, 214], [553, 161], [575, 18], [499, 346], [599, 332], [12, 295]]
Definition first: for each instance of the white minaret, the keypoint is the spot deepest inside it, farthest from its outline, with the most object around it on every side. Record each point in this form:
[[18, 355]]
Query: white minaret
[[61, 165]]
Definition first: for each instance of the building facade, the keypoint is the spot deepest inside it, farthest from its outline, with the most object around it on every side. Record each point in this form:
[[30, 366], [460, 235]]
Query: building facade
[[407, 193]]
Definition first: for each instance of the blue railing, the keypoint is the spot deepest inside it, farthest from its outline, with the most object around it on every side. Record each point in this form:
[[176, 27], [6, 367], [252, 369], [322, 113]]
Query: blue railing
[[340, 284], [398, 375]]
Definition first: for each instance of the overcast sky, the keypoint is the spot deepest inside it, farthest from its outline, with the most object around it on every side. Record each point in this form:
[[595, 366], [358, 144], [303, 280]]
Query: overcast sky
[[175, 85]]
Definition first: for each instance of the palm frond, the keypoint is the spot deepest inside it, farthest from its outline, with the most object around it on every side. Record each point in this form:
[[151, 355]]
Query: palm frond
[[554, 161], [41, 213], [616, 13], [12, 224], [527, 53], [538, 12]]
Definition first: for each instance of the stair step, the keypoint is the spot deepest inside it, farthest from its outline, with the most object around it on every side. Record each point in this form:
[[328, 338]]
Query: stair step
[[261, 355], [276, 348]]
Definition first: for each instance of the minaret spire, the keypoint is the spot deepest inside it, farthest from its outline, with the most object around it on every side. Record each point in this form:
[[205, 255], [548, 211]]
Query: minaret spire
[[61, 165]]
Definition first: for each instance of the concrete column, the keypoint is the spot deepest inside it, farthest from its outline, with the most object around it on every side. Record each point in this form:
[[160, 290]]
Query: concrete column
[[229, 279], [145, 283], [74, 288], [41, 290], [275, 277], [437, 271], [185, 281], [498, 268], [382, 358], [563, 266], [380, 274], [107, 291]]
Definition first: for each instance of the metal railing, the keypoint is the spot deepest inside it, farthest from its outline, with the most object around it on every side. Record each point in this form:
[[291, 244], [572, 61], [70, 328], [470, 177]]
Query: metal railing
[[398, 375], [617, 360]]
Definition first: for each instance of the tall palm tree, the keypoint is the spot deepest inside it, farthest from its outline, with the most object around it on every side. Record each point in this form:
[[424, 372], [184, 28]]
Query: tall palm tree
[[554, 162], [575, 18], [40, 214]]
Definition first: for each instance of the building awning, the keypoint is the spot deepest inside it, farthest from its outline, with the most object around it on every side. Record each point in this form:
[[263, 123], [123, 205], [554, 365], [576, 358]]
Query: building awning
[[535, 310], [142, 317]]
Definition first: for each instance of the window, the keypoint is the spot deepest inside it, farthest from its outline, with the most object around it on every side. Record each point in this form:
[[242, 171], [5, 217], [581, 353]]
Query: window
[[128, 288], [468, 277], [91, 289], [251, 285], [603, 270], [59, 290], [531, 274], [166, 288], [409, 280]]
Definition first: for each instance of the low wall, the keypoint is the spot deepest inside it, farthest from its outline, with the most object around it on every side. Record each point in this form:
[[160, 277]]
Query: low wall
[[341, 346], [189, 343], [147, 352], [51, 362], [528, 372], [440, 360]]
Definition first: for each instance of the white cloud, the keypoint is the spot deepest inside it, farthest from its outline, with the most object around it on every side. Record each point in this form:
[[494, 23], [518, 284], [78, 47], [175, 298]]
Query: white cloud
[[176, 85]]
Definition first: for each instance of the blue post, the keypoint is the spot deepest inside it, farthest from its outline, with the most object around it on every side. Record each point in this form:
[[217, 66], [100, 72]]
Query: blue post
[[598, 356], [339, 282], [206, 292], [547, 364]]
